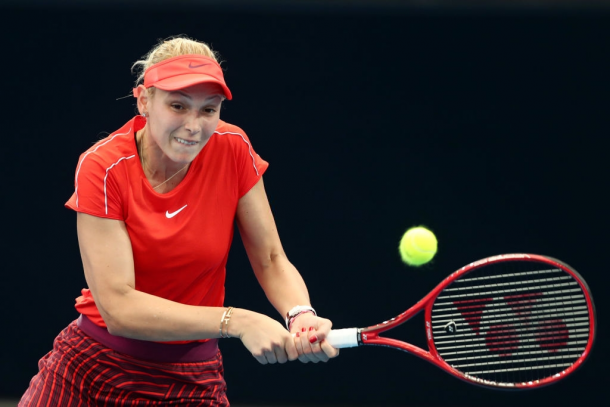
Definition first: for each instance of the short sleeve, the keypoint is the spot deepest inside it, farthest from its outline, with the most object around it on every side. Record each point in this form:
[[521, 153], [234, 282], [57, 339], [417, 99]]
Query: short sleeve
[[250, 166], [96, 189]]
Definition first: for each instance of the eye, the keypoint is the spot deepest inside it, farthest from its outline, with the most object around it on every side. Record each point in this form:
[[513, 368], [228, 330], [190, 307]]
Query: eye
[[177, 106], [209, 110]]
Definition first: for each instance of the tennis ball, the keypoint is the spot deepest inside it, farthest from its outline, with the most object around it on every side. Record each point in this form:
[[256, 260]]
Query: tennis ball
[[417, 246]]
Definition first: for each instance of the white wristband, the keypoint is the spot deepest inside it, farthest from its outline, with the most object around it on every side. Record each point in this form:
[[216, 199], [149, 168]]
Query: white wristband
[[296, 311]]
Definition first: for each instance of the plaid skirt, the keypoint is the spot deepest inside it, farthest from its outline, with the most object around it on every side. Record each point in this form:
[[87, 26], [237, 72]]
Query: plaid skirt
[[81, 371]]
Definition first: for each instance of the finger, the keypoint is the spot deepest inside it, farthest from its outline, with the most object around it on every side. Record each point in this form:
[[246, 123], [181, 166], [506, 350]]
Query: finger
[[261, 359], [299, 347], [270, 356], [316, 349], [320, 335], [291, 348], [308, 342], [318, 352], [329, 350], [305, 355], [280, 354]]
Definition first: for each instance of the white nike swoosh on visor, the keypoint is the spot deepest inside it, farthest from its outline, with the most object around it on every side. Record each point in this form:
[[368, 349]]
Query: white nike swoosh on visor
[[171, 215]]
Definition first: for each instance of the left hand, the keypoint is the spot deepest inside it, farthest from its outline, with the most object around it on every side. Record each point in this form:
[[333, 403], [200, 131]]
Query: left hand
[[309, 333]]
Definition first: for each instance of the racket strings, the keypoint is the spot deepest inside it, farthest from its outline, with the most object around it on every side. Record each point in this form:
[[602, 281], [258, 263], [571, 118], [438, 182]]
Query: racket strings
[[530, 308], [511, 322], [474, 336]]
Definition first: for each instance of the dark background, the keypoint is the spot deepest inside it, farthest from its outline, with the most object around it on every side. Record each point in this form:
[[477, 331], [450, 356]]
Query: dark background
[[485, 121]]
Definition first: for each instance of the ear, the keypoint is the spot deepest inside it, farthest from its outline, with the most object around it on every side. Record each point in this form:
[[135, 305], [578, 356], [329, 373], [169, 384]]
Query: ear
[[143, 99]]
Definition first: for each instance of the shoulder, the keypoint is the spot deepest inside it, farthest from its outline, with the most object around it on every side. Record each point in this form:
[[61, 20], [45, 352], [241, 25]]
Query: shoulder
[[110, 150], [231, 133], [228, 128], [236, 139]]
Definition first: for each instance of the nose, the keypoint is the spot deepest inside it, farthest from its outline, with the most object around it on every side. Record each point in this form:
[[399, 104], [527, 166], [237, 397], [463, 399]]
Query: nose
[[193, 124]]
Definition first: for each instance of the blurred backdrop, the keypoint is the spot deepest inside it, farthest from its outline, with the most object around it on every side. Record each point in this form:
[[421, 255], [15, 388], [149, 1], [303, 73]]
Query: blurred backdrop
[[486, 121]]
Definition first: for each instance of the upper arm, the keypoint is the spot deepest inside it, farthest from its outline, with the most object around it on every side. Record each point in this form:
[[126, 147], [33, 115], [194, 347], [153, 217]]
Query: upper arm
[[107, 260], [257, 227]]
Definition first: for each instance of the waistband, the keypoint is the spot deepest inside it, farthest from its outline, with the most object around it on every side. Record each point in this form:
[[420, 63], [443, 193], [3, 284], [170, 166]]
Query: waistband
[[151, 351]]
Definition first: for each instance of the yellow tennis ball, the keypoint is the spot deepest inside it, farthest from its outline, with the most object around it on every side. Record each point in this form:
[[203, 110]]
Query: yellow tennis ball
[[417, 246]]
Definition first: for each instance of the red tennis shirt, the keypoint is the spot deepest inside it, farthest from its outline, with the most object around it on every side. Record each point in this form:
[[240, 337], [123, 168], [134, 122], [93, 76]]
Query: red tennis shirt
[[180, 239]]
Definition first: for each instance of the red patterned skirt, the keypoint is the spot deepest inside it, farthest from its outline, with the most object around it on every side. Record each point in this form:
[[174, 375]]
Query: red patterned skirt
[[81, 371]]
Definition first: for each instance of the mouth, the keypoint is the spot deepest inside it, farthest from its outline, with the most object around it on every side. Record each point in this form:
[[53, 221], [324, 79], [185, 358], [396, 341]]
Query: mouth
[[185, 142]]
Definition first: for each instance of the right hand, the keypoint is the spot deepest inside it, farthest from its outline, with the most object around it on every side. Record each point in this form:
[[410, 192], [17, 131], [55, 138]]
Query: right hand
[[265, 338]]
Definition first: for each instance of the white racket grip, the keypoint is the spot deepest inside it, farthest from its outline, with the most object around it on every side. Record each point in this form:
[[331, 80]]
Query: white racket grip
[[343, 338]]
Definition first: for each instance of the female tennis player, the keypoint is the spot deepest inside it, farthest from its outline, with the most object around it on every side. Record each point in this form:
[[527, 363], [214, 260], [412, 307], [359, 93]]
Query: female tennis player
[[156, 202]]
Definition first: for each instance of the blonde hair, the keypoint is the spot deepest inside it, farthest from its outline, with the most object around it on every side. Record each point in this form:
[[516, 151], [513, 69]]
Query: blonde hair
[[168, 48]]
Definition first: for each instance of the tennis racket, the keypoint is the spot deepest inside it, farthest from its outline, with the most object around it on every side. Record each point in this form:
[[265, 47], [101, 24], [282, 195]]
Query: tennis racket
[[513, 321]]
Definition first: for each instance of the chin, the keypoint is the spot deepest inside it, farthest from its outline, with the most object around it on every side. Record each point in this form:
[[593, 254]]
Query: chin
[[186, 158]]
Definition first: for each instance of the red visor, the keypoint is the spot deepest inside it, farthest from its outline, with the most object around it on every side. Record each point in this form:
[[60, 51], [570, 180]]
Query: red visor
[[184, 71]]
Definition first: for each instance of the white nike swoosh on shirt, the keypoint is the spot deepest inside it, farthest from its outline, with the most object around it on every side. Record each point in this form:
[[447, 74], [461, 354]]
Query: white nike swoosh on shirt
[[171, 215]]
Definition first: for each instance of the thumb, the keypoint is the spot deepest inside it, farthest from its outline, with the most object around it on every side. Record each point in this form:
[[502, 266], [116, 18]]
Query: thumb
[[291, 349], [320, 336]]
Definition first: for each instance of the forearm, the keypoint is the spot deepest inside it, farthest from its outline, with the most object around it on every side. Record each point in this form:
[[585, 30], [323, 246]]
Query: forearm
[[139, 315], [280, 280], [282, 283]]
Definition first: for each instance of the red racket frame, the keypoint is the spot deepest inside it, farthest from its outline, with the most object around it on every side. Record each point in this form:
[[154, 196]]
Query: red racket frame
[[370, 335]]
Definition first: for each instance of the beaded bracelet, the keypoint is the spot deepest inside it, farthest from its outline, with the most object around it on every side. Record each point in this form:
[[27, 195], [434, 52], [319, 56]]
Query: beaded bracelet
[[295, 312], [295, 317]]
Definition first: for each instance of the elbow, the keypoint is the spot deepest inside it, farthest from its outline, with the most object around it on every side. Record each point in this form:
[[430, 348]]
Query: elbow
[[113, 323], [113, 311], [113, 327]]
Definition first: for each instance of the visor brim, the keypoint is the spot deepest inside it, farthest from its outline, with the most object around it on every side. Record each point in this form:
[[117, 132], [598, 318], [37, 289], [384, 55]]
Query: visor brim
[[184, 81]]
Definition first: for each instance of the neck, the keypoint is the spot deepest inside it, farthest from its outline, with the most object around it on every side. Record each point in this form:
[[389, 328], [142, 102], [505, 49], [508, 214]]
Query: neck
[[162, 177]]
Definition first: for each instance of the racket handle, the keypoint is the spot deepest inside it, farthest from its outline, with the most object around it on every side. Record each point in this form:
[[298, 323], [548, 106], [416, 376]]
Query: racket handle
[[343, 338]]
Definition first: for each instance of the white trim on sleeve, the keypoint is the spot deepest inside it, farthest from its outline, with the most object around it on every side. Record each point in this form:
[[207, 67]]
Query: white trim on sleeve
[[106, 176], [249, 147], [85, 156]]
